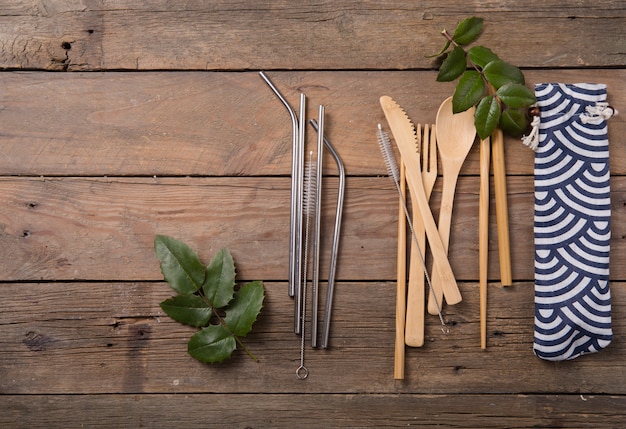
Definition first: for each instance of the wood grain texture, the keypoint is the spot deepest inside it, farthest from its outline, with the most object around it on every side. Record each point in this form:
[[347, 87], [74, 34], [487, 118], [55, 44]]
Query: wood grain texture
[[93, 338], [227, 123], [103, 229], [313, 411], [165, 127], [238, 35]]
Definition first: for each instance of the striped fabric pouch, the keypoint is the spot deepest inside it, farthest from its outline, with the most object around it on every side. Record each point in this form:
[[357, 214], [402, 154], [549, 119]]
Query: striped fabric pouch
[[572, 221]]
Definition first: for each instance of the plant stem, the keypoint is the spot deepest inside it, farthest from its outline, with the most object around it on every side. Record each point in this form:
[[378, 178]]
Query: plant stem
[[223, 323], [245, 349], [450, 38]]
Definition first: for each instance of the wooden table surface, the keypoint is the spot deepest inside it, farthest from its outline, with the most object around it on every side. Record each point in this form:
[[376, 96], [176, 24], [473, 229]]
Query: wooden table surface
[[121, 120]]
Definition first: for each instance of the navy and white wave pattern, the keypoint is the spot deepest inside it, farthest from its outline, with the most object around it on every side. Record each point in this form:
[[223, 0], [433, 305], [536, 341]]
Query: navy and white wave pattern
[[572, 225]]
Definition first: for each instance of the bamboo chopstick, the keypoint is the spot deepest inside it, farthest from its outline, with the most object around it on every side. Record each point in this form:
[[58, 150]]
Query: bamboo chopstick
[[502, 211], [398, 370], [483, 237]]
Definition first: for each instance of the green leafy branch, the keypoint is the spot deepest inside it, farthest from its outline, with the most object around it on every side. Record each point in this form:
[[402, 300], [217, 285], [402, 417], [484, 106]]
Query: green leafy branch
[[207, 299], [495, 87]]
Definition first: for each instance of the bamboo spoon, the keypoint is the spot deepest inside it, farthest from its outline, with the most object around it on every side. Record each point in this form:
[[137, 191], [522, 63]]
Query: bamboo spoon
[[455, 137], [483, 237], [502, 210]]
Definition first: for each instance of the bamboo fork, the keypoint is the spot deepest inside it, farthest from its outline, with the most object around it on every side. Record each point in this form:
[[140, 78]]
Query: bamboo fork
[[414, 326]]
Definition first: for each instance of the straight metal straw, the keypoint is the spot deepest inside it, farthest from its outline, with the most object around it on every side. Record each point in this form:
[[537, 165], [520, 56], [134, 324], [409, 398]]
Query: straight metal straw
[[335, 249], [296, 191], [317, 226]]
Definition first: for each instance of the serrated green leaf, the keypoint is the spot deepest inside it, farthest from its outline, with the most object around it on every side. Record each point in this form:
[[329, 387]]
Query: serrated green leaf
[[188, 309], [212, 344], [516, 95], [219, 284], [468, 92], [244, 308], [468, 30], [180, 265], [514, 122], [453, 66], [487, 116], [499, 73], [481, 56]]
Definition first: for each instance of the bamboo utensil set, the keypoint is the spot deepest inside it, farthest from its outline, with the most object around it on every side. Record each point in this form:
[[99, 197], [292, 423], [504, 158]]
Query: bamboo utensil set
[[452, 137]]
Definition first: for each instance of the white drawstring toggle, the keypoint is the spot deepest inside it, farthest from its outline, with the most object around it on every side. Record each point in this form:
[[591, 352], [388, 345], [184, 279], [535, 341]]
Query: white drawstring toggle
[[598, 113], [532, 139]]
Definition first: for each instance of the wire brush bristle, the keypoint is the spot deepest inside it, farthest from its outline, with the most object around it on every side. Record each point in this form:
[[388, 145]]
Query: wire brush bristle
[[309, 190], [388, 156]]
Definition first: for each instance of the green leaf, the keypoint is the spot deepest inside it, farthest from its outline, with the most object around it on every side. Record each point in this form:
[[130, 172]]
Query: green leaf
[[468, 30], [219, 284], [442, 51], [468, 92], [481, 56], [499, 73], [514, 122], [516, 95], [453, 66], [188, 309], [244, 308], [180, 265], [212, 344], [487, 116]]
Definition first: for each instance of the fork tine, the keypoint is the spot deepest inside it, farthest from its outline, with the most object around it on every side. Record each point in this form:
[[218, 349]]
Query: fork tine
[[432, 150], [435, 296], [419, 140], [425, 149]]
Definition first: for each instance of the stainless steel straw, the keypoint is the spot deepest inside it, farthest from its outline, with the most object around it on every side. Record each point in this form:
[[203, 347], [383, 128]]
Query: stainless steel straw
[[335, 249], [296, 192], [317, 226], [298, 293]]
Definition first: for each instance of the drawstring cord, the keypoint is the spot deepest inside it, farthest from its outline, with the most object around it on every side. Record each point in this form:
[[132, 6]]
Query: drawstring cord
[[594, 114], [598, 113]]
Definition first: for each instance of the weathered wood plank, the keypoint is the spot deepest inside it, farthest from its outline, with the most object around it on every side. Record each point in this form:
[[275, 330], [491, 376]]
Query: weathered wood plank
[[87, 338], [226, 123], [314, 411], [103, 229], [83, 341], [227, 35]]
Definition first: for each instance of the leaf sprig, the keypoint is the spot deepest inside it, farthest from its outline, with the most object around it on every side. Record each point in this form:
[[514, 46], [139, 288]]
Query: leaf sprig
[[207, 299], [495, 87]]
